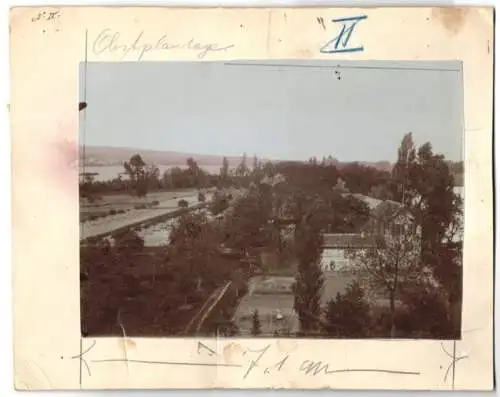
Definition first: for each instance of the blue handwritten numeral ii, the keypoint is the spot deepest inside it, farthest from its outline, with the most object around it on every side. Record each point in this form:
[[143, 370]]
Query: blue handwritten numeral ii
[[340, 43]]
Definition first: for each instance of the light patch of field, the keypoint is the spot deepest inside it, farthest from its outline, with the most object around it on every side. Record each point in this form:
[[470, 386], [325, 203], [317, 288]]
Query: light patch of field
[[335, 282], [273, 298], [126, 201], [168, 202]]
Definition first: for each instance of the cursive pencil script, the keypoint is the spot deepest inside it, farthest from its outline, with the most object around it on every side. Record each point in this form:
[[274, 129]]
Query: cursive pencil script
[[112, 41], [249, 362]]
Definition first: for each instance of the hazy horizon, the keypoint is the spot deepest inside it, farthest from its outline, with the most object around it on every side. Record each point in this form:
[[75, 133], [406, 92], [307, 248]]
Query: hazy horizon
[[282, 110]]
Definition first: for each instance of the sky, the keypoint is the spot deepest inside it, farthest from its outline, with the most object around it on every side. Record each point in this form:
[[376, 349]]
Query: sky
[[277, 110]]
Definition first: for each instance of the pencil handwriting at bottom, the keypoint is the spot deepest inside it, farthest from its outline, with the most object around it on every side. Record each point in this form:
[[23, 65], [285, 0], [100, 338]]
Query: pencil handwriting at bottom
[[252, 360], [254, 363], [175, 363], [311, 367]]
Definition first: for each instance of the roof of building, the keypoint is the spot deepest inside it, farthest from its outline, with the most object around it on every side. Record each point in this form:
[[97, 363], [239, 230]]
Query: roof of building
[[380, 209], [387, 210], [348, 240], [370, 201]]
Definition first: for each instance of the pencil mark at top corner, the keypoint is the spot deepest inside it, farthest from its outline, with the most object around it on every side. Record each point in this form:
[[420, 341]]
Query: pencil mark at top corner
[[46, 16], [321, 21]]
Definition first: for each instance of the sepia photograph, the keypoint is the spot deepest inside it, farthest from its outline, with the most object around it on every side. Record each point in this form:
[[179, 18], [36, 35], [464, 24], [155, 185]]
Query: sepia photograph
[[265, 199]]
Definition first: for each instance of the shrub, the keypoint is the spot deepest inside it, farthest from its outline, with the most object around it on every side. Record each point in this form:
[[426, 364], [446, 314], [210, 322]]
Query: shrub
[[128, 240], [348, 315], [219, 205], [201, 197], [381, 322], [427, 313], [112, 212], [183, 203], [256, 328]]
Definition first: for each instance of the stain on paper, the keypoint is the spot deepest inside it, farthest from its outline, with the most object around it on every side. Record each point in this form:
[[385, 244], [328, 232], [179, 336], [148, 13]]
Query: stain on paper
[[303, 53], [452, 18], [231, 350]]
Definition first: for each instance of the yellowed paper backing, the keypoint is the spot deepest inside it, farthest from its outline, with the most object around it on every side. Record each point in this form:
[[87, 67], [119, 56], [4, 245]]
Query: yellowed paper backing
[[47, 45]]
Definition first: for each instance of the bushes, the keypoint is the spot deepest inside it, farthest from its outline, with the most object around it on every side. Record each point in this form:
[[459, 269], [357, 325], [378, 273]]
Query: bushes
[[183, 203], [256, 327], [201, 197], [348, 315], [219, 204], [424, 314], [427, 315], [128, 240]]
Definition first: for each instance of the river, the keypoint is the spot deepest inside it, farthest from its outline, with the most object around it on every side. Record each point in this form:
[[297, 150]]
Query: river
[[109, 172]]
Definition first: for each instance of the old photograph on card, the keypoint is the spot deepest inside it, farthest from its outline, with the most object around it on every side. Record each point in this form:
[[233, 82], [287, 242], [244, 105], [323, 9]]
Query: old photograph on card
[[291, 199]]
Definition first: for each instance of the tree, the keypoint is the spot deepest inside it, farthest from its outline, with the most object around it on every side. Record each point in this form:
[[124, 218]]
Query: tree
[[439, 211], [242, 169], [348, 315], [392, 262], [256, 328], [195, 174], [361, 178], [402, 169], [195, 243], [168, 180], [309, 280], [128, 241], [219, 203], [427, 312], [87, 185], [345, 214], [248, 226], [257, 172], [256, 163], [269, 169], [141, 175], [224, 172], [135, 167]]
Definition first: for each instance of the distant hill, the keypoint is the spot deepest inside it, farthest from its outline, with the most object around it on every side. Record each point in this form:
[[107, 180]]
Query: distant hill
[[105, 155]]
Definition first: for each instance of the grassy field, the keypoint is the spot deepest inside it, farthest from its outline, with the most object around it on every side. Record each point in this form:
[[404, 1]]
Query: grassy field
[[272, 294], [335, 282], [163, 206], [121, 203]]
